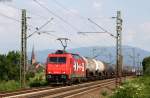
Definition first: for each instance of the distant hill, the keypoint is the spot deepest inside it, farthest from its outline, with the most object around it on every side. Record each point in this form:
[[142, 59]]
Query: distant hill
[[107, 54]]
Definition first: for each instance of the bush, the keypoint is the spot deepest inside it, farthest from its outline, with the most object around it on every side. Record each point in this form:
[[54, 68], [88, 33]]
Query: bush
[[147, 71], [38, 80], [129, 90], [38, 83], [137, 88], [9, 85], [146, 65]]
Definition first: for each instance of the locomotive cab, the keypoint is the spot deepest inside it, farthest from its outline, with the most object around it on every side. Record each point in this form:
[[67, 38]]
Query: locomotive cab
[[57, 67], [63, 67]]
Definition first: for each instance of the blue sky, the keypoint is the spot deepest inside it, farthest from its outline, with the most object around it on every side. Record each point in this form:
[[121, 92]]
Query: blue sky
[[135, 13]]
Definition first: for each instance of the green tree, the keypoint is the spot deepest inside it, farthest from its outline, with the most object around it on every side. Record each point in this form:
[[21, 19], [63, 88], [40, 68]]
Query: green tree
[[13, 59], [146, 65], [9, 66], [3, 68]]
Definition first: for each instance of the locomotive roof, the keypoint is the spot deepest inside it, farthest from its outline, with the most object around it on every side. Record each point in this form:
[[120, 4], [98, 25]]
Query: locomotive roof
[[62, 52]]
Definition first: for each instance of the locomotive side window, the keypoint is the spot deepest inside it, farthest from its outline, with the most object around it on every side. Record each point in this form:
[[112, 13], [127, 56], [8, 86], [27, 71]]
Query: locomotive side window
[[57, 60]]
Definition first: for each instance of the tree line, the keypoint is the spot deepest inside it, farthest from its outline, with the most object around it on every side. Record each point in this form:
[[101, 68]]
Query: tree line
[[10, 66], [146, 65]]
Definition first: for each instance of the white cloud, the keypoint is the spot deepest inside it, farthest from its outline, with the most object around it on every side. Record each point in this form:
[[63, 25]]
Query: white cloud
[[8, 11], [129, 36], [145, 27], [97, 4], [138, 36], [9, 29], [74, 11]]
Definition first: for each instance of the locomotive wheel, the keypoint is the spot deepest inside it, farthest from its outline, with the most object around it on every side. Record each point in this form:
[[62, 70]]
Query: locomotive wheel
[[69, 83]]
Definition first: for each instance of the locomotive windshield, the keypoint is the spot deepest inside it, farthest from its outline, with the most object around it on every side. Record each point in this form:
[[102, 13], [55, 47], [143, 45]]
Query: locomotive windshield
[[57, 60]]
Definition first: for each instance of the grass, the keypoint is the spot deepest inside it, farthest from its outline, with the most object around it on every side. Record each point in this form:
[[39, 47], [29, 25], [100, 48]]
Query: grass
[[104, 93], [136, 88], [36, 81], [9, 85]]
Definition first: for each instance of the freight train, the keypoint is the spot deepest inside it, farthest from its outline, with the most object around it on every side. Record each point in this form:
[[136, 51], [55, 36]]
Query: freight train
[[67, 68]]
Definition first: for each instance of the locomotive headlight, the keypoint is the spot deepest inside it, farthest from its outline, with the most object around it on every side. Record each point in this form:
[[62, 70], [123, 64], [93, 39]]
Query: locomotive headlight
[[49, 76], [49, 72]]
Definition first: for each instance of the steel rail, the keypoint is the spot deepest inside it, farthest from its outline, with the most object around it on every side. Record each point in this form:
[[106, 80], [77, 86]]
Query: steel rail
[[77, 91], [21, 91], [47, 92], [43, 92]]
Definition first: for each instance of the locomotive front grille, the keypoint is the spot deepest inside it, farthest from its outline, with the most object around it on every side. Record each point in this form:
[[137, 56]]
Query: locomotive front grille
[[56, 78]]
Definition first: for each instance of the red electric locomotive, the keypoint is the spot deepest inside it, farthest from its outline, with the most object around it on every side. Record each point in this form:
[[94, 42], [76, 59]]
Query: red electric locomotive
[[66, 68], [63, 67]]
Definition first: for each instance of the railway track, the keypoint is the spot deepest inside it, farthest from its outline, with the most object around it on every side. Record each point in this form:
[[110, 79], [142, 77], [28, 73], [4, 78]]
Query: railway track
[[79, 91], [21, 91], [60, 92]]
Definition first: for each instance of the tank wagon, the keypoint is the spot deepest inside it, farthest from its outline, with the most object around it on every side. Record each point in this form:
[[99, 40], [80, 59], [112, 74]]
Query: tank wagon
[[96, 69], [63, 67]]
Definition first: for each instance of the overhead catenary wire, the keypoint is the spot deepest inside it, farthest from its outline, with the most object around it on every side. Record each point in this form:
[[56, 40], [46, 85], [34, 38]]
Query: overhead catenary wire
[[37, 29], [68, 10], [59, 4], [98, 25], [62, 6], [28, 11], [8, 17], [14, 19], [46, 32], [51, 12], [83, 17], [17, 8], [105, 31]]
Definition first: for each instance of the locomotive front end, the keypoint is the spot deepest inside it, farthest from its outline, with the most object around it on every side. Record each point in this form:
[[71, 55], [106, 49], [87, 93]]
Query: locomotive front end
[[57, 68]]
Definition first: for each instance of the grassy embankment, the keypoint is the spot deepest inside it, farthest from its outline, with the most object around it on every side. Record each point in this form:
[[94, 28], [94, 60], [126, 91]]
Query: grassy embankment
[[36, 81], [9, 85], [136, 88]]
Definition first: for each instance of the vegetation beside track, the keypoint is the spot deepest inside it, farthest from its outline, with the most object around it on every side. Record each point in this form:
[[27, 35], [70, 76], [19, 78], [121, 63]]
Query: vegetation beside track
[[38, 80], [136, 88], [10, 66], [146, 65], [10, 85], [10, 73]]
